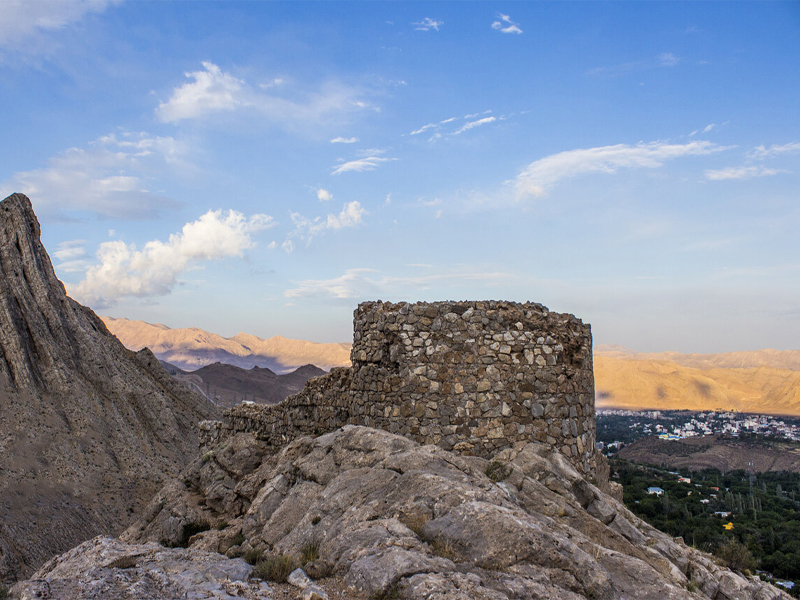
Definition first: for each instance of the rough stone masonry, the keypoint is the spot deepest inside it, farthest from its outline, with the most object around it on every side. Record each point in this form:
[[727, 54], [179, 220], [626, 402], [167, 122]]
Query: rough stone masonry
[[473, 377]]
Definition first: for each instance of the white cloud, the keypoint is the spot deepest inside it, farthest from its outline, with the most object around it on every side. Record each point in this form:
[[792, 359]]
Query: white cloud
[[473, 124], [27, 20], [351, 215], [324, 195], [544, 173], [774, 150], [709, 127], [367, 163], [343, 140], [424, 128], [213, 91], [506, 25], [154, 270], [740, 173], [427, 24], [111, 177]]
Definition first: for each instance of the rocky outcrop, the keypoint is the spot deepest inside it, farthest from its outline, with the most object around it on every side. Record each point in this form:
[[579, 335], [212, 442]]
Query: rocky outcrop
[[396, 519], [88, 429]]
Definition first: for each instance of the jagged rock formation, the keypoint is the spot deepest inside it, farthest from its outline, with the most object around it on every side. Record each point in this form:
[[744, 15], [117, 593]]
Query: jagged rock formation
[[396, 519], [88, 429]]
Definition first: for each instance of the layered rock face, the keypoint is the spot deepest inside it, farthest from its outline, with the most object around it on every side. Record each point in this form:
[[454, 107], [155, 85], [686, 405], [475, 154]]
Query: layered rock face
[[88, 429], [394, 519]]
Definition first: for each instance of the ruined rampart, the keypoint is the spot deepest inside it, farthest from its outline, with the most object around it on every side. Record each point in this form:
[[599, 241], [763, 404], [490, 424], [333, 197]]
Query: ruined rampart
[[474, 377]]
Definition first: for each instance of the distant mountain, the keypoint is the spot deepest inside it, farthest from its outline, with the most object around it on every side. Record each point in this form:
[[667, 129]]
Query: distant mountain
[[743, 381], [228, 385], [779, 359], [191, 349], [88, 429]]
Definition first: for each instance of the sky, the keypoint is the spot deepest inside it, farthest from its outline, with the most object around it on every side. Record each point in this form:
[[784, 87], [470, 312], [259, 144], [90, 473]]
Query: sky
[[264, 166]]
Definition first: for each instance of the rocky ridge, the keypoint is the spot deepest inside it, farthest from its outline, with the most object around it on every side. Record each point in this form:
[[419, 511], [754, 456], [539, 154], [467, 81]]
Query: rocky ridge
[[89, 430], [393, 518]]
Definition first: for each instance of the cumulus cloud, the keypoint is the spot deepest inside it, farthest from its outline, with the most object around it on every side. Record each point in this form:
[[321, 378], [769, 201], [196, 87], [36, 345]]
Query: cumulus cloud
[[28, 20], [351, 215], [154, 270], [324, 195], [427, 24], [504, 24], [344, 140], [368, 163], [740, 173], [762, 151], [544, 173], [111, 177], [212, 91]]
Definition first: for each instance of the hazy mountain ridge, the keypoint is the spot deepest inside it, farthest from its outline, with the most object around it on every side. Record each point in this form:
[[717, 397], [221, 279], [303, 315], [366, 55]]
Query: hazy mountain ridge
[[637, 383], [746, 359], [191, 348]]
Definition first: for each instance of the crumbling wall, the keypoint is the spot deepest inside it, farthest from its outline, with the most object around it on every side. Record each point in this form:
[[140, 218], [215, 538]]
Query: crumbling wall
[[474, 377]]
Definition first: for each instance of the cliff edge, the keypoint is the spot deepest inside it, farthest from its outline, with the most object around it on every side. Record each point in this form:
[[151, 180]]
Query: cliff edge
[[88, 429]]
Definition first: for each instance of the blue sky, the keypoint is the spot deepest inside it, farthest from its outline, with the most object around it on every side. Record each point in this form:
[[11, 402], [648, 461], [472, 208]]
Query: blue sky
[[264, 166]]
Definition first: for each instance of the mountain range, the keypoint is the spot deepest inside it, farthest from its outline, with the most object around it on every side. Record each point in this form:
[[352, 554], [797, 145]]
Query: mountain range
[[227, 385], [191, 348], [764, 381]]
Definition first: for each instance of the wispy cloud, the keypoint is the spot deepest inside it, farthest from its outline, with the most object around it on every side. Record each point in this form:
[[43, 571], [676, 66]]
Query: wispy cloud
[[472, 124], [368, 163], [762, 151], [538, 177], [213, 91], [305, 229], [504, 24], [668, 59], [427, 24], [440, 130], [110, 177], [362, 282], [32, 20], [344, 140], [154, 271], [740, 173], [324, 195], [665, 59], [72, 256]]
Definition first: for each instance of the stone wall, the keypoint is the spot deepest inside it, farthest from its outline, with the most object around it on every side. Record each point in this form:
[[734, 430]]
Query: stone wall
[[474, 377]]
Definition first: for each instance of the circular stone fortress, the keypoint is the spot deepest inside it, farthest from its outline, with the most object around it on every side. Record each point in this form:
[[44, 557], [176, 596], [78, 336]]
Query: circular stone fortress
[[473, 377]]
